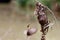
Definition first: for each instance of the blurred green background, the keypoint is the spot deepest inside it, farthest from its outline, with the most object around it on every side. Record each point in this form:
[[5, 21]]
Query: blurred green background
[[54, 5], [15, 16]]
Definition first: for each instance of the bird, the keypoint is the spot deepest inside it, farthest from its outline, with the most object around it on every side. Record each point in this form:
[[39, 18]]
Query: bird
[[30, 31]]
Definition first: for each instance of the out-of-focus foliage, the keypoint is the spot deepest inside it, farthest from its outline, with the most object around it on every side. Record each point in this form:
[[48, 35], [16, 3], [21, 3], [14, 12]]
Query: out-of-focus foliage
[[26, 4], [46, 2], [30, 2], [57, 0], [50, 3], [22, 3]]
